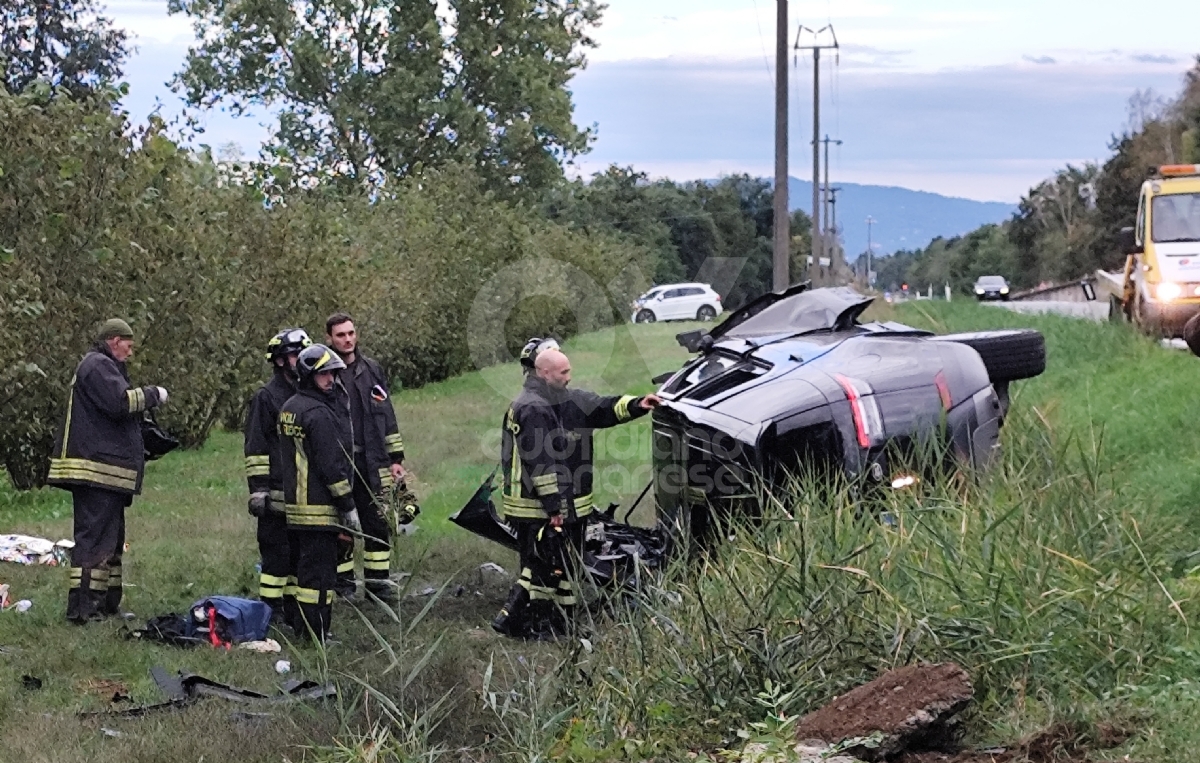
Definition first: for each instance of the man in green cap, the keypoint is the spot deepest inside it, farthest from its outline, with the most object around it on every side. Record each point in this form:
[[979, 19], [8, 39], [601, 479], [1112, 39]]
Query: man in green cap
[[99, 457]]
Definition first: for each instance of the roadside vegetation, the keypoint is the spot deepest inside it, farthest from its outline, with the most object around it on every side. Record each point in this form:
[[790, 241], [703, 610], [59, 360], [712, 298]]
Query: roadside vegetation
[[1060, 581]]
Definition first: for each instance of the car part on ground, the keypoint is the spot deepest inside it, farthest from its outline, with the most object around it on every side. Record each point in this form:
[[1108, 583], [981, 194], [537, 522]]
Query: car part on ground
[[615, 553]]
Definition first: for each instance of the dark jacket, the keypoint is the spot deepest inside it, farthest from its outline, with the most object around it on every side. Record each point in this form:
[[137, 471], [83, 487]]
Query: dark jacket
[[375, 424], [100, 442], [315, 446], [264, 465], [546, 448]]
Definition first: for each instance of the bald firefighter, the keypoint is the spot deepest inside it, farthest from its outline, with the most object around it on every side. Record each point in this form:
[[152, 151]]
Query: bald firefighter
[[546, 456]]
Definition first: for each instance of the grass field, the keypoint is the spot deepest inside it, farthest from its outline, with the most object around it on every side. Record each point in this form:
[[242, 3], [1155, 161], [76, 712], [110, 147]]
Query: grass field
[[1110, 400]]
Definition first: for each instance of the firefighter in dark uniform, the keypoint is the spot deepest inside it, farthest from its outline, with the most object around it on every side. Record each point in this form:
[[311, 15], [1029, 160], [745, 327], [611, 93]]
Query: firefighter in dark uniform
[[378, 457], [264, 473], [99, 457], [315, 447], [546, 456]]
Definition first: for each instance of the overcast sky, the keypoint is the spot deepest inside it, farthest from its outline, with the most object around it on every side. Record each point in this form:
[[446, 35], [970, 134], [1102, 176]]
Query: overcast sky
[[980, 103]]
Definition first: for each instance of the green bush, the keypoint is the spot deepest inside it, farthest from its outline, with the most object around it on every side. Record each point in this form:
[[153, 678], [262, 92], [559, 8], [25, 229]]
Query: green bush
[[97, 220]]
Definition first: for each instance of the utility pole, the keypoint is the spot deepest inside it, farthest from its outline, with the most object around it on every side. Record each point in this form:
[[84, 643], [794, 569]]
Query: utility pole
[[818, 236], [830, 234], [782, 236], [833, 192], [870, 221]]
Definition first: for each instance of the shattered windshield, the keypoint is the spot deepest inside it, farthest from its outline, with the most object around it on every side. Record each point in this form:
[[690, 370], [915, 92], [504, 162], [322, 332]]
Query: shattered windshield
[[1175, 217]]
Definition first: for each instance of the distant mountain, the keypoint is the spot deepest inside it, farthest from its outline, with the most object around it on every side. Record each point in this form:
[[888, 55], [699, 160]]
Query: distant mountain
[[904, 219]]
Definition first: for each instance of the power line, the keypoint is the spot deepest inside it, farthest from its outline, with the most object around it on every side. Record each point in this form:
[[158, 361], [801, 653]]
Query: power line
[[762, 42]]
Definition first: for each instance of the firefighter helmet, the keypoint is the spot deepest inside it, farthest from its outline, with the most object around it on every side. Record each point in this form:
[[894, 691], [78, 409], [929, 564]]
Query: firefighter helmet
[[532, 348], [317, 358], [287, 342]]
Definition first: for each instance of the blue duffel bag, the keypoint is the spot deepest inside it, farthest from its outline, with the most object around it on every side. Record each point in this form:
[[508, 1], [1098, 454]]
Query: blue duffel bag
[[227, 620]]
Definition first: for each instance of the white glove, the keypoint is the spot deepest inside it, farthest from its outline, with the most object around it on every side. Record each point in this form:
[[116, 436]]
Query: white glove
[[258, 504], [162, 395], [351, 521]]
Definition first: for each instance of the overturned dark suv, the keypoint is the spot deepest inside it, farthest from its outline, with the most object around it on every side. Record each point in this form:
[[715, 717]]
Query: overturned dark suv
[[790, 383], [793, 382]]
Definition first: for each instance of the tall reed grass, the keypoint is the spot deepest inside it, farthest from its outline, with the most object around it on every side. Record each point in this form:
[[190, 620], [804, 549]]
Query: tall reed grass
[[1043, 578], [1049, 579]]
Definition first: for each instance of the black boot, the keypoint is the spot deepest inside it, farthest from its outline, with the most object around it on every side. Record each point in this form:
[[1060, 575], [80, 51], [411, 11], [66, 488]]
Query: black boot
[[382, 590], [511, 619], [86, 597], [112, 597], [546, 622], [346, 587]]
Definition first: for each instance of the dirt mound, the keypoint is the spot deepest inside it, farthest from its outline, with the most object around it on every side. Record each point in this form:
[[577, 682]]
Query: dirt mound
[[913, 708]]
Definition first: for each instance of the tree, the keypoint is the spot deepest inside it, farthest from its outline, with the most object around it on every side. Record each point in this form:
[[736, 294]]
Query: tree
[[1056, 228], [1189, 112], [369, 89], [64, 43]]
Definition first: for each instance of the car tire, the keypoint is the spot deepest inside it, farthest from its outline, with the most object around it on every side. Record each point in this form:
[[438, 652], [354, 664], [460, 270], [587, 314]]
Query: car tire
[[706, 313], [1007, 355], [644, 316]]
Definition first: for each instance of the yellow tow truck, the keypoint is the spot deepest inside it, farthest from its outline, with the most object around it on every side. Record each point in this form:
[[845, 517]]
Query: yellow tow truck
[[1160, 287]]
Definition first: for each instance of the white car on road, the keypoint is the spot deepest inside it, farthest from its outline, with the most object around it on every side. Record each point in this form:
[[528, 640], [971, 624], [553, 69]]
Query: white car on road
[[677, 302]]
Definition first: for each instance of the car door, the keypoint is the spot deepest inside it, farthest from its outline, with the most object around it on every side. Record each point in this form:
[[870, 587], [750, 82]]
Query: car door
[[690, 301], [668, 308]]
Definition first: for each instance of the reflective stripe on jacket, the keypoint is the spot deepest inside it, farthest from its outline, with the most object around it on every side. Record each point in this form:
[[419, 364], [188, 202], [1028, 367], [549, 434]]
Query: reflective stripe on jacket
[[316, 458], [264, 467], [100, 441], [546, 448], [380, 433]]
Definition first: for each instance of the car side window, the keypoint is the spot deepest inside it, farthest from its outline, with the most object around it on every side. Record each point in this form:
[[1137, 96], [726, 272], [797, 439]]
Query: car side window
[[672, 293], [692, 292]]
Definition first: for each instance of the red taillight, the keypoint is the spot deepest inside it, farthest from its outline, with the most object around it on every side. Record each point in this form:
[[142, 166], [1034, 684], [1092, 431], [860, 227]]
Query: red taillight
[[943, 389], [868, 424]]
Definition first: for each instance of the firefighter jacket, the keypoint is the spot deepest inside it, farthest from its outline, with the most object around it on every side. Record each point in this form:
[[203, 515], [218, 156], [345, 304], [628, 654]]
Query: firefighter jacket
[[546, 448], [315, 448], [264, 467], [375, 429], [100, 442]]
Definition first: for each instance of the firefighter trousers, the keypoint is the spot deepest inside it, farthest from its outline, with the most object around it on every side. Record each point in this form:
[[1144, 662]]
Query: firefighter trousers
[[277, 577], [549, 569], [315, 552], [377, 539], [99, 532]]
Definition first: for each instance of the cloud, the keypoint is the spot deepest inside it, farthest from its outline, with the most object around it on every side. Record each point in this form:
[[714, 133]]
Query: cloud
[[148, 22], [985, 133], [1040, 60], [1147, 58]]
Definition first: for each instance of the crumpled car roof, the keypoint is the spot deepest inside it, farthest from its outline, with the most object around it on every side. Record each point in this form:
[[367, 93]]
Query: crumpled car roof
[[795, 311]]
